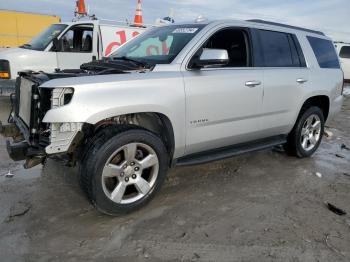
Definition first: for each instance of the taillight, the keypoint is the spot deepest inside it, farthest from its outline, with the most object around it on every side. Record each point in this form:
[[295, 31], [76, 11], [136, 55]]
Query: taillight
[[5, 69]]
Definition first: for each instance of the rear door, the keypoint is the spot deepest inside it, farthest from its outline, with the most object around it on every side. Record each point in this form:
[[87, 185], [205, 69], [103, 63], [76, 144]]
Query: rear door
[[77, 46], [285, 76], [344, 55]]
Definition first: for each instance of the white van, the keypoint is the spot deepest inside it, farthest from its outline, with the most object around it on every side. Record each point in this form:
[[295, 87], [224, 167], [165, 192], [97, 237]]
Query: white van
[[65, 46], [344, 56]]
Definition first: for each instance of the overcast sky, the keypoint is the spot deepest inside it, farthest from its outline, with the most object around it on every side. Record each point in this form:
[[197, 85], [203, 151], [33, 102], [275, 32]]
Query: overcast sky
[[330, 16]]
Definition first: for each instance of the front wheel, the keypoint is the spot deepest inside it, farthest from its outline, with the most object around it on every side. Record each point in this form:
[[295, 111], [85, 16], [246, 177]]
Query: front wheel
[[307, 134], [123, 170]]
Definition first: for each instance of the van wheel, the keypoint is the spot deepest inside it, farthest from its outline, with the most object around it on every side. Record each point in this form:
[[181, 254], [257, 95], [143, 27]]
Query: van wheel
[[307, 134], [123, 169]]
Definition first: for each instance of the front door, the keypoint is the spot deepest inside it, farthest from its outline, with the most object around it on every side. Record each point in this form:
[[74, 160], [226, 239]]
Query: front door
[[77, 47], [223, 104]]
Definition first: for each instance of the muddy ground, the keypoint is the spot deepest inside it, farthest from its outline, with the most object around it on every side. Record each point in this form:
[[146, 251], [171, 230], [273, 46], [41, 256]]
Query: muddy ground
[[262, 206]]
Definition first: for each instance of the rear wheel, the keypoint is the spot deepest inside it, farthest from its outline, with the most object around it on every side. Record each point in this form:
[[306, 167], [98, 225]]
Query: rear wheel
[[123, 171], [307, 134]]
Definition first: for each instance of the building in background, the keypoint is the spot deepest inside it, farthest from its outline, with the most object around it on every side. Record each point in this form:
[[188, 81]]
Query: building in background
[[18, 28]]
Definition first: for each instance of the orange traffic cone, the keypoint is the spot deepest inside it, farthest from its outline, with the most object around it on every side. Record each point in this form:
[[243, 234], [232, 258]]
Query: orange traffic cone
[[138, 21], [81, 10]]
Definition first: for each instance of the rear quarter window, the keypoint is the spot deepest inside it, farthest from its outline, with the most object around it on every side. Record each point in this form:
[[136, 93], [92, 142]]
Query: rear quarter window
[[345, 52], [325, 52]]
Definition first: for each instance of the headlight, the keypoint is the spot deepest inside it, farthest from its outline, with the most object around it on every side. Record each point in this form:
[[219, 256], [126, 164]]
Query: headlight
[[5, 69], [61, 96]]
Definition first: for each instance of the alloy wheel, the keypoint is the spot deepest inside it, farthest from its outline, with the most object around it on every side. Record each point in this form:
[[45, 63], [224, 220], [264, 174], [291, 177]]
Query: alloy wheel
[[311, 132], [130, 173]]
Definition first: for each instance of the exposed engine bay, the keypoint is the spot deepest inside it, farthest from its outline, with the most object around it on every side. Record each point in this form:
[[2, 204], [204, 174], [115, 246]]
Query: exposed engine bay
[[33, 139]]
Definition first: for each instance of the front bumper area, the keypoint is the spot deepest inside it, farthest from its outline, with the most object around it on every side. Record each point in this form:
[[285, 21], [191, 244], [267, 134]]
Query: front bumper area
[[19, 149], [64, 140]]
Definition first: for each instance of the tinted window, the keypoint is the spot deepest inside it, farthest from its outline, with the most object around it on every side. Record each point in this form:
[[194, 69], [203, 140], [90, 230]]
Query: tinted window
[[345, 52], [324, 52], [276, 49]]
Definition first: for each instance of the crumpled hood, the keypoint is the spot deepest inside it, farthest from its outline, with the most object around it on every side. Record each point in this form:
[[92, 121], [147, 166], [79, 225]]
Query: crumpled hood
[[95, 81]]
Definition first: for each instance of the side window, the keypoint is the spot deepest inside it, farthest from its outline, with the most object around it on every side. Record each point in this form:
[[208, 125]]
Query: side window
[[325, 52], [87, 41], [78, 39], [278, 49], [235, 41], [345, 52]]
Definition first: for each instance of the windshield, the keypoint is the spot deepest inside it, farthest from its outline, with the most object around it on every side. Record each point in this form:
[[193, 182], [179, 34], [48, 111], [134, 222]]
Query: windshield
[[159, 45], [41, 41]]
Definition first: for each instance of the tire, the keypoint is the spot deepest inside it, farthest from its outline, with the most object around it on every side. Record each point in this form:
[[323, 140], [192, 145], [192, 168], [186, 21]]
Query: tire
[[123, 169], [305, 139]]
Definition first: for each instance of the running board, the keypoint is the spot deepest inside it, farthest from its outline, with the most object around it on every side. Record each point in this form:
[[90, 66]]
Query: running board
[[227, 152]]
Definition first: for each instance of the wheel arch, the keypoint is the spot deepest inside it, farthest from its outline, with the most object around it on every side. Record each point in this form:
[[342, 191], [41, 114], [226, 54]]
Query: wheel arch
[[321, 101], [155, 122]]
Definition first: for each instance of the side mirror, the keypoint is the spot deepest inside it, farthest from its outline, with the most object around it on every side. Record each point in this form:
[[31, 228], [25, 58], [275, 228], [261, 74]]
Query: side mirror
[[56, 45], [212, 57]]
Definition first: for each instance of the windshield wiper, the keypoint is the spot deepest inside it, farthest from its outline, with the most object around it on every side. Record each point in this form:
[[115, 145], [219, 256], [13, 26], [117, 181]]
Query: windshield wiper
[[143, 64]]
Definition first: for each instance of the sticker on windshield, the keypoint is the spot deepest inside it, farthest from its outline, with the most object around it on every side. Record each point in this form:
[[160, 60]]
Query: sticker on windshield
[[185, 30]]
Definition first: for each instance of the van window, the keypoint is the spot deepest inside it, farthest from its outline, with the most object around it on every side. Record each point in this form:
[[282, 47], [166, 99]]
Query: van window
[[345, 52], [78, 39], [278, 49], [41, 41], [324, 52]]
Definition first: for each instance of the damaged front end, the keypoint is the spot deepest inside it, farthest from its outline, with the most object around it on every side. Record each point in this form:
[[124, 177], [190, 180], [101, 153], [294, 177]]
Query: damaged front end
[[33, 139]]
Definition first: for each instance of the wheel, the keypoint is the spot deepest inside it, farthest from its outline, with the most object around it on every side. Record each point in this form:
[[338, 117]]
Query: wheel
[[307, 133], [123, 169]]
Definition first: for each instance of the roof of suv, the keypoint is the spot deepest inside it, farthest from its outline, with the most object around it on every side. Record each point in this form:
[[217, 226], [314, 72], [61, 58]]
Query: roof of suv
[[286, 26], [261, 22]]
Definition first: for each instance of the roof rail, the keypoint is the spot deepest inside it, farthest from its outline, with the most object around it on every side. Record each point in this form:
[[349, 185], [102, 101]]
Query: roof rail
[[341, 42], [286, 26]]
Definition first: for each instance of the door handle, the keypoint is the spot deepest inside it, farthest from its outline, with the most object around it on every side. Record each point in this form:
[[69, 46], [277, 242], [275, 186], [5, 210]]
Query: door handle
[[253, 83], [301, 80]]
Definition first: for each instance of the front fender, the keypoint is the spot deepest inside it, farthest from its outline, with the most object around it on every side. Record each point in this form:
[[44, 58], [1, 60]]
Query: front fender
[[92, 103]]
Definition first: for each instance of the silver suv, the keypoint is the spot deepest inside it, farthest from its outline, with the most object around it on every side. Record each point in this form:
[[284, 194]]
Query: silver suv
[[177, 95]]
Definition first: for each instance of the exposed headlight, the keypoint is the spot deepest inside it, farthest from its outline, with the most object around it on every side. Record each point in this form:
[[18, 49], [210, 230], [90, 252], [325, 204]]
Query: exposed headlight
[[5, 69], [61, 96]]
